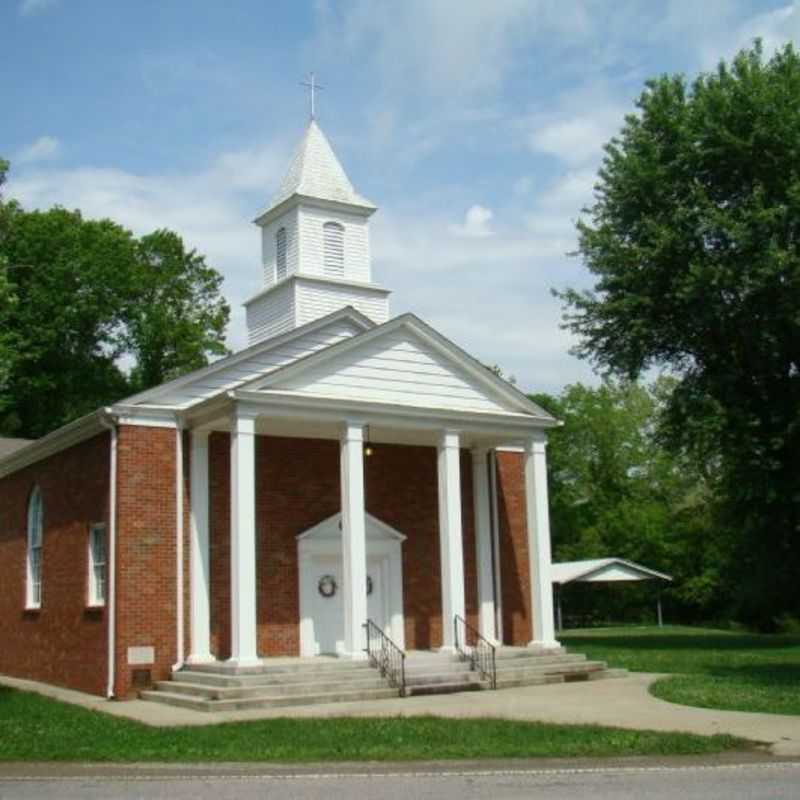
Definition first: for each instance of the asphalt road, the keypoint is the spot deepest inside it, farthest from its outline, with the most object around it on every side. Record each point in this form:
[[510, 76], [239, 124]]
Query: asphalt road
[[710, 782]]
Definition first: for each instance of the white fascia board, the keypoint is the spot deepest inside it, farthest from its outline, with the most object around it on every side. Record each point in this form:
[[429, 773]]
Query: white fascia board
[[66, 436], [387, 530], [493, 384], [147, 416], [294, 200], [644, 572], [298, 277], [571, 572], [512, 426], [348, 312]]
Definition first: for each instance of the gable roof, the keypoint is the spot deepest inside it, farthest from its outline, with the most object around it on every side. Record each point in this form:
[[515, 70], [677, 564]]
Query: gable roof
[[350, 354], [603, 569], [316, 172], [348, 314], [9, 446]]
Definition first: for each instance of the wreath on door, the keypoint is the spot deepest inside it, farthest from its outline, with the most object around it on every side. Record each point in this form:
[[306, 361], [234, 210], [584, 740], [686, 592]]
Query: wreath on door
[[327, 586]]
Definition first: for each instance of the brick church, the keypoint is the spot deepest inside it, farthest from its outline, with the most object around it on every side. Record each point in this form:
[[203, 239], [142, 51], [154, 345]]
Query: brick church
[[345, 466]]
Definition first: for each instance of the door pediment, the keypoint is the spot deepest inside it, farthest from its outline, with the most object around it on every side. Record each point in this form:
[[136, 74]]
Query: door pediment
[[330, 529]]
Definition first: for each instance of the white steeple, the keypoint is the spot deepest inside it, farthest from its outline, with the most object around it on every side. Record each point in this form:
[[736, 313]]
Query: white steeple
[[315, 246]]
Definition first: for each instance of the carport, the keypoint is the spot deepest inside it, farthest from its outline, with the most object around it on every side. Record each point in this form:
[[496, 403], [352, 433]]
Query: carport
[[601, 570]]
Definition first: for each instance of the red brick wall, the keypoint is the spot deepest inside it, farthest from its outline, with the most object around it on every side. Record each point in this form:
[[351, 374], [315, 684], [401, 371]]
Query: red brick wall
[[297, 486], [514, 571], [64, 642], [146, 597]]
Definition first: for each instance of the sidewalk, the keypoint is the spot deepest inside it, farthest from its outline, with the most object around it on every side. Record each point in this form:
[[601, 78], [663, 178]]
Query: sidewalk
[[621, 703]]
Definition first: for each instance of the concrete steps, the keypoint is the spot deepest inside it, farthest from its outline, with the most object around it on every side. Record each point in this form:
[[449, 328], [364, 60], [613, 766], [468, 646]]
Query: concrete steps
[[295, 682]]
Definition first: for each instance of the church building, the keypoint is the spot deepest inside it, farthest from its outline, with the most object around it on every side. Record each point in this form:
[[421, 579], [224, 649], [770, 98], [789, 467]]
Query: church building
[[346, 466]]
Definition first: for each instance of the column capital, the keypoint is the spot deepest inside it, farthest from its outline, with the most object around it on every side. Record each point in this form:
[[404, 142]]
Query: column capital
[[352, 430], [537, 443], [200, 436], [450, 438], [481, 451]]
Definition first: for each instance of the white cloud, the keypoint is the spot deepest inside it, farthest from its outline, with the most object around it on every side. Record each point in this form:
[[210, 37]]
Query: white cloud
[[476, 223], [583, 121], [447, 47], [775, 28], [43, 149], [30, 7]]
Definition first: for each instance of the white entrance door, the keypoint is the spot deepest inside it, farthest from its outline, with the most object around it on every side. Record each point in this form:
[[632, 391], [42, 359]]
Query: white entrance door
[[328, 613], [319, 551]]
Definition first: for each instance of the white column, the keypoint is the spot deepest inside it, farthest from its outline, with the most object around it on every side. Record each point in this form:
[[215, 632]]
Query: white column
[[354, 539], [199, 560], [450, 535], [243, 540], [483, 543], [539, 560]]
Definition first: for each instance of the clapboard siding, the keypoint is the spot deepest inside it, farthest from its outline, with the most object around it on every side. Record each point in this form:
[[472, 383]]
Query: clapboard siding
[[396, 368], [356, 243], [315, 300], [261, 363], [272, 314]]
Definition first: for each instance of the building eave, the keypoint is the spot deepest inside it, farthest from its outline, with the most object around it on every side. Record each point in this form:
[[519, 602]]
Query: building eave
[[60, 439]]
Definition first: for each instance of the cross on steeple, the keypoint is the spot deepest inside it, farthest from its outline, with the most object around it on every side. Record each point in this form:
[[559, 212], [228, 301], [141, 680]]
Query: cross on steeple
[[312, 85]]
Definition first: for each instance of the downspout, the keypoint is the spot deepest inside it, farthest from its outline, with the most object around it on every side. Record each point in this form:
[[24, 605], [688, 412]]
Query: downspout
[[179, 541], [111, 608]]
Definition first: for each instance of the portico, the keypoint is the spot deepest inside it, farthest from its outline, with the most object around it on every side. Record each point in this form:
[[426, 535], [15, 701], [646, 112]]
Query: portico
[[250, 414]]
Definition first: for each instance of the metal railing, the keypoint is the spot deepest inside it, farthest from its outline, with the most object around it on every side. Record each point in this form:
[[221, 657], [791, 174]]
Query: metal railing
[[386, 656], [476, 649]]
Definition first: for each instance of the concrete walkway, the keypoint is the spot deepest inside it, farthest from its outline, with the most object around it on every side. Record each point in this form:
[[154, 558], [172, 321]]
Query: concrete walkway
[[622, 703]]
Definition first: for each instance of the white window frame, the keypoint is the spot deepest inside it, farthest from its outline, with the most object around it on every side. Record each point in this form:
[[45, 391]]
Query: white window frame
[[333, 251], [281, 254], [33, 559], [97, 598]]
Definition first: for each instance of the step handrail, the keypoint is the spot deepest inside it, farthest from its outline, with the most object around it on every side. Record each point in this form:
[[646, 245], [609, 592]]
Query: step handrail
[[386, 656], [481, 655]]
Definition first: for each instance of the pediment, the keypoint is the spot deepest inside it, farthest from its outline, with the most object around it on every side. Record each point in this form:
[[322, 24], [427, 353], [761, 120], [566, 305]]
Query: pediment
[[403, 362], [331, 529]]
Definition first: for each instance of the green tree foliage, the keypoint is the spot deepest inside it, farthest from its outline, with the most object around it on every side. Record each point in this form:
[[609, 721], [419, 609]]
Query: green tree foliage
[[616, 490], [693, 242], [179, 317], [79, 298], [8, 299]]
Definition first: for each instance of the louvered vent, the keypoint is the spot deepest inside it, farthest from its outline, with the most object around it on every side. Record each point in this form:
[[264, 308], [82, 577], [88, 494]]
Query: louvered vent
[[333, 236], [280, 254]]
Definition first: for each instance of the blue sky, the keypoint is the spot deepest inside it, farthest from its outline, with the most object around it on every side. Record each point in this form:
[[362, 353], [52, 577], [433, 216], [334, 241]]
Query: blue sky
[[476, 126]]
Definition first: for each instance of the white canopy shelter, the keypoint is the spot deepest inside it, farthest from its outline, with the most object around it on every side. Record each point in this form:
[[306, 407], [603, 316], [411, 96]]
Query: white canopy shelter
[[601, 570]]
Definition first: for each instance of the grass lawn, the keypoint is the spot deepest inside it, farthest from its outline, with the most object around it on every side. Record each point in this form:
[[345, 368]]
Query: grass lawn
[[35, 728], [715, 669]]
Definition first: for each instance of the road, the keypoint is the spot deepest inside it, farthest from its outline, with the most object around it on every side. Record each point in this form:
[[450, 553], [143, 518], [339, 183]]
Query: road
[[710, 782]]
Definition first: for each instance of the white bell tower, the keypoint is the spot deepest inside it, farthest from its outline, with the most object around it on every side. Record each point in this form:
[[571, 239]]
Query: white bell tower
[[315, 246]]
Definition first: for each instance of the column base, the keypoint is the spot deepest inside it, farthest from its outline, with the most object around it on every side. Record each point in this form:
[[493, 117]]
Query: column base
[[244, 661], [201, 658], [447, 648], [359, 655], [538, 644]]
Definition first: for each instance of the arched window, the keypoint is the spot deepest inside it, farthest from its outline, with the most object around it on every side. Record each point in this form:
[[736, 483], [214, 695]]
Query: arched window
[[333, 249], [35, 527], [280, 254]]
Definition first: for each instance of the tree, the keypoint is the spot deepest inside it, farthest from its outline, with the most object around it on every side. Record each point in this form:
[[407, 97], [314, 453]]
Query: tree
[[83, 297], [179, 317], [693, 243], [616, 490]]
